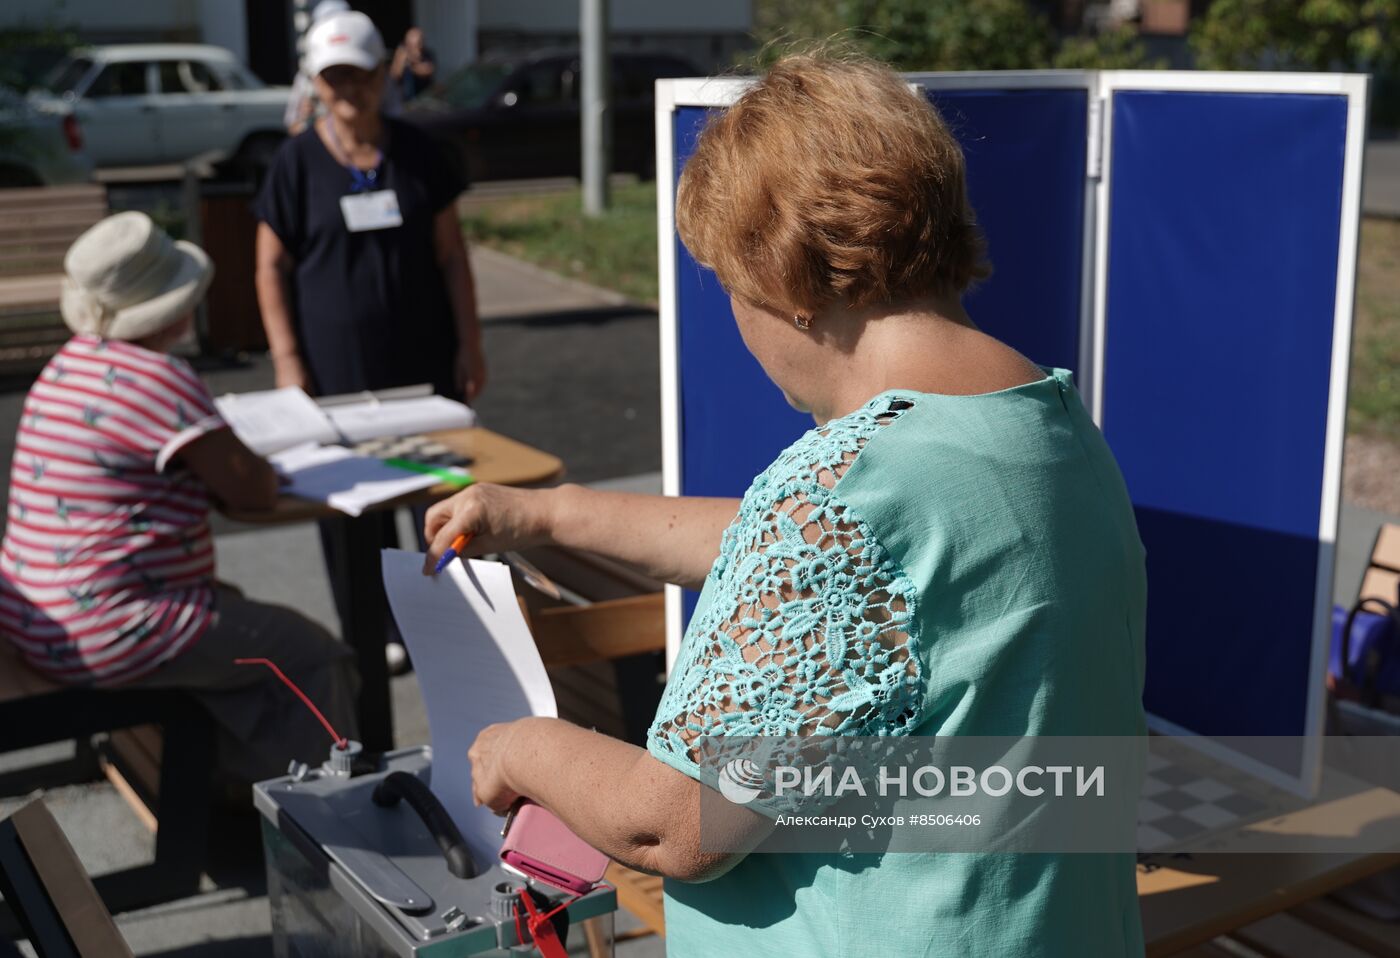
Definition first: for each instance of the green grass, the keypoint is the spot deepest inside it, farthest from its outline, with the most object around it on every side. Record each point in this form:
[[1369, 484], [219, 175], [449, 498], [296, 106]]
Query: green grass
[[616, 251], [1375, 356]]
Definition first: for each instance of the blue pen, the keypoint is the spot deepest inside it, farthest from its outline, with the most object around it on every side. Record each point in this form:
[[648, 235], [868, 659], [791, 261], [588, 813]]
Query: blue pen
[[453, 551]]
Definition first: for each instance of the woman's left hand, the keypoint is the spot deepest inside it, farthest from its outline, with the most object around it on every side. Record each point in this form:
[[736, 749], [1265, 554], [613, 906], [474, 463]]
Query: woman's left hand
[[488, 756], [470, 371]]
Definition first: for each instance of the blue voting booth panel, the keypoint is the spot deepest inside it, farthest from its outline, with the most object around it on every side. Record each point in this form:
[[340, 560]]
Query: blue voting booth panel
[[1025, 173], [1025, 158], [1224, 220], [1025, 154], [734, 421]]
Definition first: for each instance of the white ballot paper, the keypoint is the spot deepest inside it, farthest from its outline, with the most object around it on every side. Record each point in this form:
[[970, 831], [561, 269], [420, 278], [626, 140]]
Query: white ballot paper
[[276, 419], [476, 664], [343, 480]]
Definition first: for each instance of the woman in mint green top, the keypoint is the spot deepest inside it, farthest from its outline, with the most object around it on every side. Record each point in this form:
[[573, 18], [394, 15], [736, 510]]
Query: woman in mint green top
[[979, 571], [950, 552]]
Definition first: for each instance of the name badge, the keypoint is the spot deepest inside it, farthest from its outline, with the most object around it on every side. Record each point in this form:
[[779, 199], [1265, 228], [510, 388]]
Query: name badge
[[371, 211]]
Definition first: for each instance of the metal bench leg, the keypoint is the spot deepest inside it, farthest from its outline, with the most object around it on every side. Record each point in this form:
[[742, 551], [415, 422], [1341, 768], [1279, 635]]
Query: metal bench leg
[[186, 767], [182, 836]]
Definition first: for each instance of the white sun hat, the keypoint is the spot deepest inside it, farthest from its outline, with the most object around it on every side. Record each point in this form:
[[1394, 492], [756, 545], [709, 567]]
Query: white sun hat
[[343, 39], [125, 278]]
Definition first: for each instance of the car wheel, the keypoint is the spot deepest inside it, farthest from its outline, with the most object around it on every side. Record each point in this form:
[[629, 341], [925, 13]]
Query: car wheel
[[18, 177]]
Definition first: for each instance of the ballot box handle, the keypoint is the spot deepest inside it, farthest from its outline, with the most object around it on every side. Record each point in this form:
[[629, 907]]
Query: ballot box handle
[[410, 788]]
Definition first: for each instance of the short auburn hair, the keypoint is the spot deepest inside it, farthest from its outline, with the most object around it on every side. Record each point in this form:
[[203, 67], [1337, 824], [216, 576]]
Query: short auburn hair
[[830, 181]]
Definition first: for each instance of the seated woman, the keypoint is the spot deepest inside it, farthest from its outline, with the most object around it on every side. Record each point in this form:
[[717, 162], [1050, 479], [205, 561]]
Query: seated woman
[[950, 552], [107, 568]]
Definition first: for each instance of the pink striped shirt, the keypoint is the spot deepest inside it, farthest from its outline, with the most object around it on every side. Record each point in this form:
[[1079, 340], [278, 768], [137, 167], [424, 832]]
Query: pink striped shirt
[[107, 565]]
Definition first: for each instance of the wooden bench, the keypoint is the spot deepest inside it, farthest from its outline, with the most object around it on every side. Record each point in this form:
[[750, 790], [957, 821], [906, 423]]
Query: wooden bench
[[37, 225], [605, 659], [1315, 929], [1382, 578], [54, 900], [36, 711]]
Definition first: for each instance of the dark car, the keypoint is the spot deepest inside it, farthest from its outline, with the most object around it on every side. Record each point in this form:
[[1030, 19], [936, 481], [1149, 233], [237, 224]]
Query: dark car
[[518, 117]]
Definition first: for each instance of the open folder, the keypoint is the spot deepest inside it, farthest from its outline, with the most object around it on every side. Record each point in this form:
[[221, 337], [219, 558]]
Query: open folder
[[276, 419], [476, 664], [272, 420]]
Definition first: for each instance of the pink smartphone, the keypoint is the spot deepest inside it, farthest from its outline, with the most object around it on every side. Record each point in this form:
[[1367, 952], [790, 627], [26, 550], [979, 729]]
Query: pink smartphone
[[541, 846]]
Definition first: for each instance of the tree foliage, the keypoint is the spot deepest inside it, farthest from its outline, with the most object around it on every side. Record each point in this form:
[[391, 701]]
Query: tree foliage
[[918, 34], [943, 34], [26, 53], [1120, 48], [1321, 35]]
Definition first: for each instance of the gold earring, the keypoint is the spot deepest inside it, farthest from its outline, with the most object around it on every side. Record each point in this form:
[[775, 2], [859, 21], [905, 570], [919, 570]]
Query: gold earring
[[803, 323]]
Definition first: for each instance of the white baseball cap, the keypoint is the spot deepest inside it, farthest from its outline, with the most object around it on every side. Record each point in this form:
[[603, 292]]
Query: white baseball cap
[[343, 39], [328, 8]]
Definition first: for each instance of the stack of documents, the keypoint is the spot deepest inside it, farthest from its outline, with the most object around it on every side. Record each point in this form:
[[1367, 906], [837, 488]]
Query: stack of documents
[[372, 419], [342, 479], [300, 439]]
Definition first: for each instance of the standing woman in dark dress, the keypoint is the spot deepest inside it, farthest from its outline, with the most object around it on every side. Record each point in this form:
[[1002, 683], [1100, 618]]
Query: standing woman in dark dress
[[362, 275]]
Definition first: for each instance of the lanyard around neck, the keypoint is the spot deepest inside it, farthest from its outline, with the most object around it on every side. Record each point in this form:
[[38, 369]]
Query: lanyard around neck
[[361, 181]]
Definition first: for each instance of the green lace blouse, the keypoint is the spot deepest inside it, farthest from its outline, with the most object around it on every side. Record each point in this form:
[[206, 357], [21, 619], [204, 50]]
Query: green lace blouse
[[927, 565]]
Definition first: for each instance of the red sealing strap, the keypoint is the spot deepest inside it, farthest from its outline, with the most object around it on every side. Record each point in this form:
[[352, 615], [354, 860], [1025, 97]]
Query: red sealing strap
[[542, 930]]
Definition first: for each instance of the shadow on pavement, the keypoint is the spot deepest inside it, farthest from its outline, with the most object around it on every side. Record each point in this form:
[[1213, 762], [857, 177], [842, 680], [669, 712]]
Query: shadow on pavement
[[251, 946], [596, 316]]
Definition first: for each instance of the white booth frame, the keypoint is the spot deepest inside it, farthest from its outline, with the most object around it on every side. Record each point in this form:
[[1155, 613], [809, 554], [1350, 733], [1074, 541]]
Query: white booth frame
[[1100, 87]]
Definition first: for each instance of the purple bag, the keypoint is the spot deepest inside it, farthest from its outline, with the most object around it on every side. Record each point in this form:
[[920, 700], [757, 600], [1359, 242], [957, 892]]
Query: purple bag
[[1365, 656]]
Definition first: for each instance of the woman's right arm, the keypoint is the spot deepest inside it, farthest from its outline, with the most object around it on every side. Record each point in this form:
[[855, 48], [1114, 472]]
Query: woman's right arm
[[274, 269], [238, 477], [674, 539]]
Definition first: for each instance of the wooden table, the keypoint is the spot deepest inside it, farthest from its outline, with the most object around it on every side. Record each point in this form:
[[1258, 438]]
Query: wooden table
[[362, 605], [1221, 886]]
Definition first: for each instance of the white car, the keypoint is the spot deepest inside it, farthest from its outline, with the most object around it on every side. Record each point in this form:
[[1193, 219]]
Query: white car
[[147, 104]]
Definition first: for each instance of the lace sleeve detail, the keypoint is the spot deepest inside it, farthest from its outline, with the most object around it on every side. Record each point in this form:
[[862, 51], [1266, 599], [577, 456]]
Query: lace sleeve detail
[[809, 626]]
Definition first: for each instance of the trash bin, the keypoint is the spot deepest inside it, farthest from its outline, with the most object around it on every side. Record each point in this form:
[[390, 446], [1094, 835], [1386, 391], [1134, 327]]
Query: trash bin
[[228, 232]]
